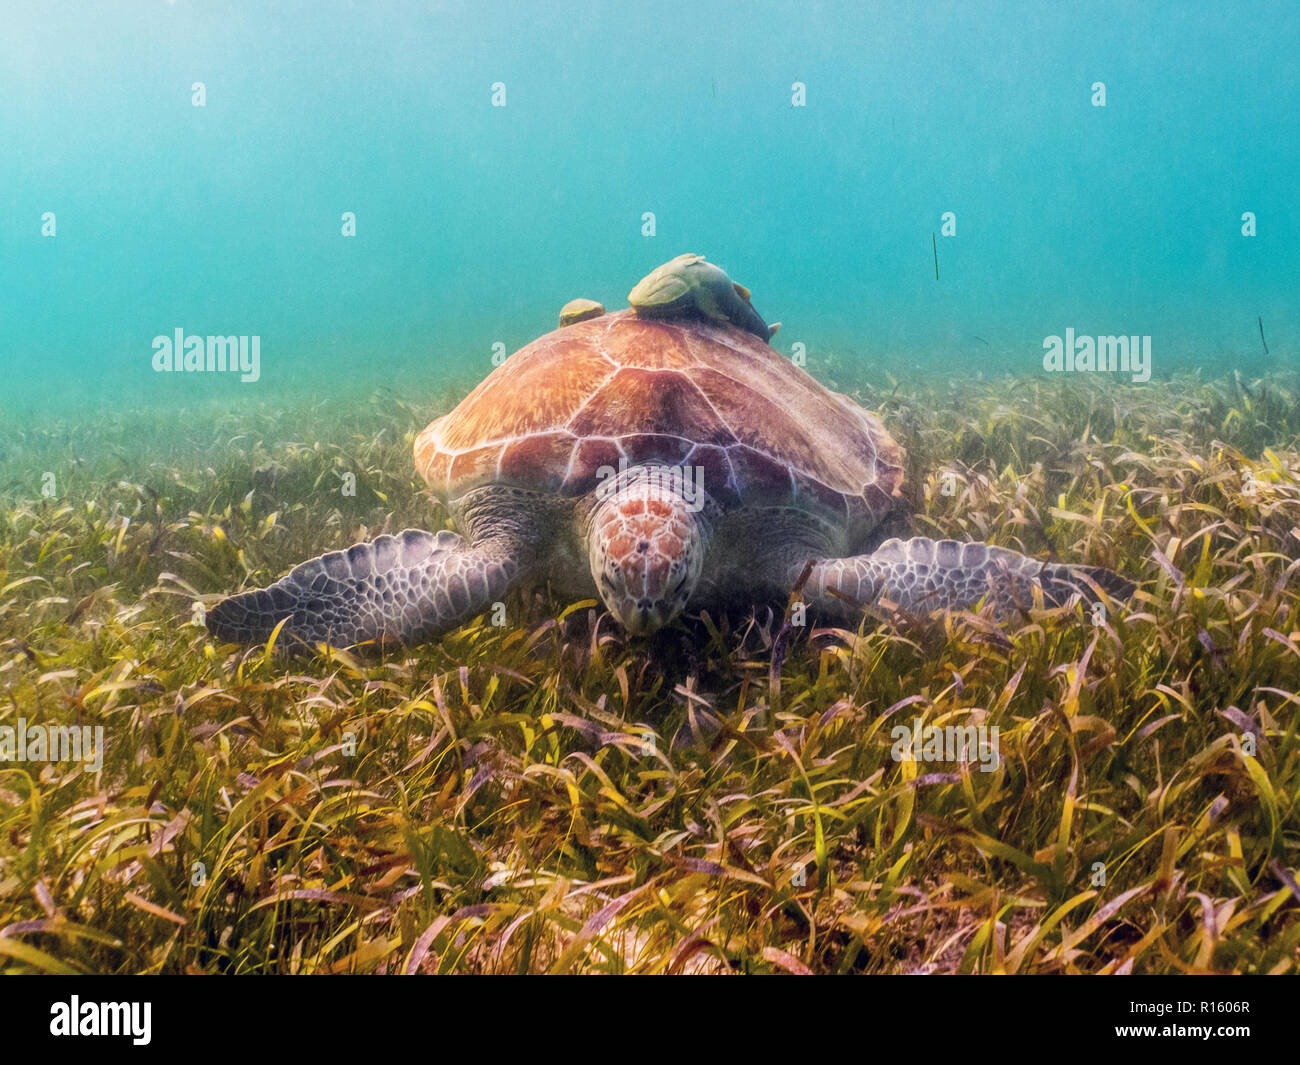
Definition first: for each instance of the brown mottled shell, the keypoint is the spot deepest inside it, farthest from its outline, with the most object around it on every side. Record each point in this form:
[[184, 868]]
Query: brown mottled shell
[[681, 393]]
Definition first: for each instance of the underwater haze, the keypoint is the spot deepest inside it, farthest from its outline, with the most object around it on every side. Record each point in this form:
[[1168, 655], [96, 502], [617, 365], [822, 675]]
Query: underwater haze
[[382, 192]]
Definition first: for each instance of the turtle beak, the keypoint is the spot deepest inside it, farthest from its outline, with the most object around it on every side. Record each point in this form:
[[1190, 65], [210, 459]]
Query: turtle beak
[[642, 619]]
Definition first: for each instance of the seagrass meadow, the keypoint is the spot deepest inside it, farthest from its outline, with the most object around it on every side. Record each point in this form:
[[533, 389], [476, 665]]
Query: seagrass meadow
[[548, 795]]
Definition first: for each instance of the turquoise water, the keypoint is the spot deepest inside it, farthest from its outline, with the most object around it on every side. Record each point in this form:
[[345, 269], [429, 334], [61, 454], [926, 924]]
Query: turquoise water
[[475, 223]]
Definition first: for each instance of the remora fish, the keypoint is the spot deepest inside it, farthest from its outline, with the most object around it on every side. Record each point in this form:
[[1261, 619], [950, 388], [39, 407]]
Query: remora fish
[[689, 283]]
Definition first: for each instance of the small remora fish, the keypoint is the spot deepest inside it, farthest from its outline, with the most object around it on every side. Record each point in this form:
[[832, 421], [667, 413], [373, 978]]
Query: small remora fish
[[690, 283]]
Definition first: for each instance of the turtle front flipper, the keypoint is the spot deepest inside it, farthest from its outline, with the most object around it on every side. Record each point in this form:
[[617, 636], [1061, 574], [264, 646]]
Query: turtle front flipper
[[921, 575], [405, 588]]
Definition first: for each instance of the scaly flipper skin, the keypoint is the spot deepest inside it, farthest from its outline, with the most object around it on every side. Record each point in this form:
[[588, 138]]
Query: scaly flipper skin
[[921, 575], [405, 588]]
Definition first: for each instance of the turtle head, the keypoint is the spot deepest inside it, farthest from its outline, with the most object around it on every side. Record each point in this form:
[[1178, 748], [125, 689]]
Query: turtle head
[[646, 549]]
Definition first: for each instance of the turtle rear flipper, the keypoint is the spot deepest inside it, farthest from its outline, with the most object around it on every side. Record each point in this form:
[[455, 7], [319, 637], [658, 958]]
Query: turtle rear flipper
[[405, 589], [923, 574]]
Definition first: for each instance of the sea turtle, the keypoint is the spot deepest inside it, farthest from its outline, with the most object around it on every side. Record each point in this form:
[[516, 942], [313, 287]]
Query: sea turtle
[[664, 464], [689, 283]]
